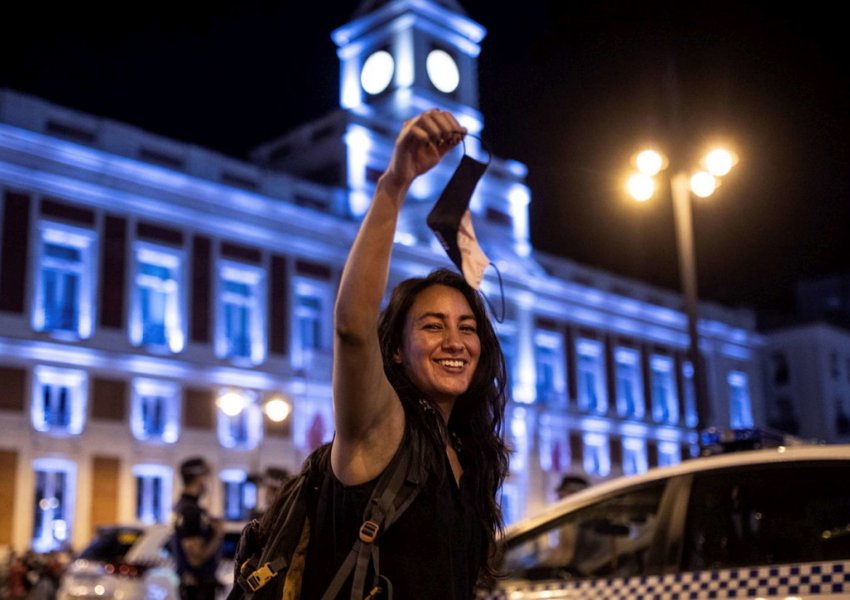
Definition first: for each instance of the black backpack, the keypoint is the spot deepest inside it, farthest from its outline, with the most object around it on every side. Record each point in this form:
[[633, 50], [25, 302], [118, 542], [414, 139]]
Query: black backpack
[[263, 561]]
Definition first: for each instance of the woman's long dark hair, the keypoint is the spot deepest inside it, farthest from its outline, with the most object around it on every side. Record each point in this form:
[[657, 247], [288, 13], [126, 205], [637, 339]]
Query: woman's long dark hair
[[478, 414]]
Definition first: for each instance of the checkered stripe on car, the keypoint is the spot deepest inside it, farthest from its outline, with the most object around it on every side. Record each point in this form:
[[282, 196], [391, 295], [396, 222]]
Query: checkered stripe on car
[[796, 580]]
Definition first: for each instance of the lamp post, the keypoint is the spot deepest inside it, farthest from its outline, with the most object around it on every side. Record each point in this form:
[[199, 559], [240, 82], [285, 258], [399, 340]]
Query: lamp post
[[641, 186]]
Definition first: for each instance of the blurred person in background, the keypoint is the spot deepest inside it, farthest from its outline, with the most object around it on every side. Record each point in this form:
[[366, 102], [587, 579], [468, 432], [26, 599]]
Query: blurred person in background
[[570, 484], [563, 554], [268, 484], [197, 535]]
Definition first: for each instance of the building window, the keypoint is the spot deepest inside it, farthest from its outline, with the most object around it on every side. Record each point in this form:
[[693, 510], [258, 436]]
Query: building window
[[740, 409], [156, 315], [308, 312], [153, 493], [312, 327], [690, 387], [65, 281], [519, 441], [241, 313], [59, 400], [52, 503], [510, 501], [240, 495], [665, 401], [669, 453], [784, 416], [629, 383], [549, 367], [155, 411], [240, 420], [507, 340], [592, 396], [634, 456], [842, 416], [553, 447], [596, 455], [779, 364]]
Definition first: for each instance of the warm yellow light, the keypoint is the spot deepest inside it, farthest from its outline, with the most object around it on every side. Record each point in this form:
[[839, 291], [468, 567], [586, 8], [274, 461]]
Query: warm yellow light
[[640, 186], [277, 409], [703, 184], [650, 162], [719, 162], [232, 402]]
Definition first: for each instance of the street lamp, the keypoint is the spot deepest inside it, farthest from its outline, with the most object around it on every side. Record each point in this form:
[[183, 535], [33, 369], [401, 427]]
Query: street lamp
[[232, 402], [242, 405], [277, 408], [641, 185]]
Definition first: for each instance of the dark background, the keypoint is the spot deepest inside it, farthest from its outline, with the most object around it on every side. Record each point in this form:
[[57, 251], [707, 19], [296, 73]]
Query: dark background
[[568, 88]]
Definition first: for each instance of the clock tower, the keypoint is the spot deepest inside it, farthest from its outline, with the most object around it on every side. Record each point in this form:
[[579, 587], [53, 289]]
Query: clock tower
[[401, 57]]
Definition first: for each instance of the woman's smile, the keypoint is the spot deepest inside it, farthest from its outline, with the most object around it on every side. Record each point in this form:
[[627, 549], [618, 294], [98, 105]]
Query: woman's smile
[[440, 347]]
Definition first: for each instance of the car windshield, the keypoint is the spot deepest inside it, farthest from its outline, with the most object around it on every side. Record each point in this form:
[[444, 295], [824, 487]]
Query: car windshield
[[111, 543], [610, 538]]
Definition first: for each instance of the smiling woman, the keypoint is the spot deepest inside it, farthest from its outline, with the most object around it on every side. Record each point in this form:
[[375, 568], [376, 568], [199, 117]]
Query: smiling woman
[[441, 345], [428, 367]]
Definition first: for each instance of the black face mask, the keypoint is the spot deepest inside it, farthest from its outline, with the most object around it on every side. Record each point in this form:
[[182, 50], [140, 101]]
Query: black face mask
[[451, 221]]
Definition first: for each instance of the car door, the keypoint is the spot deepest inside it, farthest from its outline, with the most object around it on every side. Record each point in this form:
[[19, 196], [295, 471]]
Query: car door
[[767, 530], [771, 530]]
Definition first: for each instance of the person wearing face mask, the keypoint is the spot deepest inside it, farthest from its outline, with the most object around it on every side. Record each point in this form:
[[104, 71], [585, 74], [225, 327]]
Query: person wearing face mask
[[430, 362], [197, 535]]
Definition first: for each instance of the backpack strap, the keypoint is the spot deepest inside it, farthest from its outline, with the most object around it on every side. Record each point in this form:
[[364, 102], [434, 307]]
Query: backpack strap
[[295, 572], [268, 558], [396, 489]]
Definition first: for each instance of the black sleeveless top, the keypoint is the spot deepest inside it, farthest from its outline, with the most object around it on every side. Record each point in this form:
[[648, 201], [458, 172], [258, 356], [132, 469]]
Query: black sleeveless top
[[433, 551]]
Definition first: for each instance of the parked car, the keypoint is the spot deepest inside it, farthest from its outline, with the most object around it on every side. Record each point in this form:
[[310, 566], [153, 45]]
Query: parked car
[[768, 523], [129, 562]]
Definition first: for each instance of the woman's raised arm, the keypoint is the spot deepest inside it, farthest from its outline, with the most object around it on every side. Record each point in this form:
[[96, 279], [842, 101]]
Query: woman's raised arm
[[368, 416]]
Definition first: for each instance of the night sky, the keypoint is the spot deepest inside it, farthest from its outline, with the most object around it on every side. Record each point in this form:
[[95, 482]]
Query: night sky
[[568, 88]]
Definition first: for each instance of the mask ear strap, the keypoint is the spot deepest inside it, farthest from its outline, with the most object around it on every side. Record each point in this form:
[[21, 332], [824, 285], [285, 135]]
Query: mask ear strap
[[481, 142], [499, 317]]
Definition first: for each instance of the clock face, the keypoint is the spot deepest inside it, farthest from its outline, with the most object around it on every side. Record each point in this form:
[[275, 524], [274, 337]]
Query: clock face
[[377, 72], [442, 71]]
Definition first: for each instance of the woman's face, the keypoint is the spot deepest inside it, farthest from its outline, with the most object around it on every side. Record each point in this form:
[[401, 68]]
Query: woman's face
[[440, 344]]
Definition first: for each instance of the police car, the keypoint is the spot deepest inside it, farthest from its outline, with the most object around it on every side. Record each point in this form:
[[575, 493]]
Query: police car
[[770, 523]]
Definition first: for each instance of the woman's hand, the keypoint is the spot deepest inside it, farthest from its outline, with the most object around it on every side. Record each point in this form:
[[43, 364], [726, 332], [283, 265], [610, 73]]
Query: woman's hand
[[422, 143]]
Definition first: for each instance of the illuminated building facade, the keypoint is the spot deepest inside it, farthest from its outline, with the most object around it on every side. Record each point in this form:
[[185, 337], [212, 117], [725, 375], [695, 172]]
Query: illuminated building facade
[[155, 297]]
